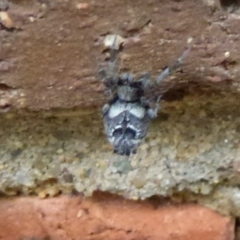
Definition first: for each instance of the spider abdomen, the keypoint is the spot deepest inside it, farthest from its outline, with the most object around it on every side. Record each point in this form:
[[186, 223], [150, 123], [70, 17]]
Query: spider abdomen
[[126, 125]]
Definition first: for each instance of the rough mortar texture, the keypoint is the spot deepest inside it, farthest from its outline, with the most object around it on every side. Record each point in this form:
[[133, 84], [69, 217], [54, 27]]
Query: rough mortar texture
[[51, 153], [107, 217]]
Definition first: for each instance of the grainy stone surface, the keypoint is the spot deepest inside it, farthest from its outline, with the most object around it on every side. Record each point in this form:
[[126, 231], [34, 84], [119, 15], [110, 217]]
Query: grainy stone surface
[[108, 217]]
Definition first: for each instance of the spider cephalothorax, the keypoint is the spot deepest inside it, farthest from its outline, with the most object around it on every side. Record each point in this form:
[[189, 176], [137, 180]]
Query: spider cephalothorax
[[128, 114]]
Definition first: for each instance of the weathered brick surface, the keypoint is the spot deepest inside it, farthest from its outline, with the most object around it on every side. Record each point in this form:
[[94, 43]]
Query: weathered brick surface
[[57, 68], [108, 218]]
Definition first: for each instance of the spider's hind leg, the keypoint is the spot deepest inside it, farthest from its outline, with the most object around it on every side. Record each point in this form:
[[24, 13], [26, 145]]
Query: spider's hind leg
[[105, 109]]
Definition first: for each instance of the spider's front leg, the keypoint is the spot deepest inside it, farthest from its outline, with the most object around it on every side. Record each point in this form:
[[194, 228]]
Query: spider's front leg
[[126, 77], [108, 74], [109, 81], [146, 81], [169, 70], [152, 112]]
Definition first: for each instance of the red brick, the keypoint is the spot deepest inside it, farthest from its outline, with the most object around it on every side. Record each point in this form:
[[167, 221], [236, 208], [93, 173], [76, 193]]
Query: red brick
[[107, 217]]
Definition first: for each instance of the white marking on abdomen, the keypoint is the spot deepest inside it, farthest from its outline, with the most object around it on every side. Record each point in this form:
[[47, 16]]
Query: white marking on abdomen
[[133, 108]]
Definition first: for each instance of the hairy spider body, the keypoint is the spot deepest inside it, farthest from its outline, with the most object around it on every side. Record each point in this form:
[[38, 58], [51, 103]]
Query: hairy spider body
[[128, 115]]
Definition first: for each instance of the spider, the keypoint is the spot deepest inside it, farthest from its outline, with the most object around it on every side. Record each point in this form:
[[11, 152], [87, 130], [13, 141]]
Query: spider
[[128, 114]]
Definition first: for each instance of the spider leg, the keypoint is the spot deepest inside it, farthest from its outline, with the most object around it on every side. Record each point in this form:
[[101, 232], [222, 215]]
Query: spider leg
[[108, 74], [144, 102], [127, 77], [105, 109], [173, 67], [113, 56], [152, 112], [146, 80]]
